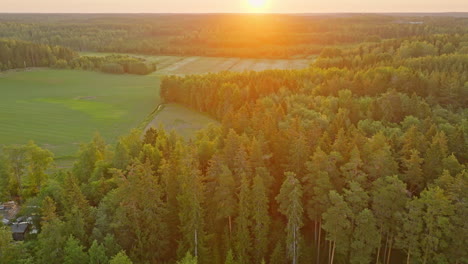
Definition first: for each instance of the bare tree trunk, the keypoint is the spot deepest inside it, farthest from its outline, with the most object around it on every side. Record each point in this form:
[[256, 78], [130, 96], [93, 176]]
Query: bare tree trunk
[[329, 251], [408, 257], [389, 250], [385, 250], [318, 244], [196, 243], [315, 231], [230, 227], [333, 252], [294, 246], [378, 249]]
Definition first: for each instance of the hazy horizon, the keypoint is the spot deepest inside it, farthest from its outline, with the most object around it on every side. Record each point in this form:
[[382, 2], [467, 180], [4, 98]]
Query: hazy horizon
[[234, 6]]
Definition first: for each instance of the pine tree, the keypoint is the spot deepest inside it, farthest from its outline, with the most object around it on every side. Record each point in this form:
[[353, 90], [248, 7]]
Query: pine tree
[[298, 153], [74, 252], [260, 218], [120, 258], [141, 217], [389, 198], [337, 224], [48, 211], [365, 238], [413, 175], [435, 154], [121, 156], [188, 259], [7, 249], [378, 157], [436, 213], [190, 201], [278, 255], [316, 193], [409, 235], [225, 197], [243, 240], [97, 254], [290, 205], [230, 258]]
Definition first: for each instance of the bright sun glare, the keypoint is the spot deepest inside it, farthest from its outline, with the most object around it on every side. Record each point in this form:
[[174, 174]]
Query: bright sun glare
[[257, 4]]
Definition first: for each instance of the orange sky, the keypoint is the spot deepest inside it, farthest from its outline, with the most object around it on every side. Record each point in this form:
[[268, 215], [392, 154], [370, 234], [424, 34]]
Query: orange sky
[[231, 6]]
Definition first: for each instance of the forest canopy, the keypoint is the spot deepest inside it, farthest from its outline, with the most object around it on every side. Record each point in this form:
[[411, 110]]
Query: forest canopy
[[360, 158]]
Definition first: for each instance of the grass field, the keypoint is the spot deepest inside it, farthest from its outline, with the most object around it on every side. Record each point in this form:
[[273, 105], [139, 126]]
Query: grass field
[[60, 109], [181, 119]]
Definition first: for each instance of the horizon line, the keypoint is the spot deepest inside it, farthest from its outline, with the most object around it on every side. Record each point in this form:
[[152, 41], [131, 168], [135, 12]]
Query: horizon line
[[247, 13]]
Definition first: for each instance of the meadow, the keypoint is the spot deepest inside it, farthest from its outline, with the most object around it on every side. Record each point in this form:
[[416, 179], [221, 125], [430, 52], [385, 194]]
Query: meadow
[[60, 109]]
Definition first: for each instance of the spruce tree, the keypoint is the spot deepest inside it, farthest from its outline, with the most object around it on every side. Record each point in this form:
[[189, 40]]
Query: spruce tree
[[290, 205], [260, 218], [243, 240]]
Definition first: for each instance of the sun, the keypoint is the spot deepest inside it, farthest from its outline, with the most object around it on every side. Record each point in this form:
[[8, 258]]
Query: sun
[[257, 4]]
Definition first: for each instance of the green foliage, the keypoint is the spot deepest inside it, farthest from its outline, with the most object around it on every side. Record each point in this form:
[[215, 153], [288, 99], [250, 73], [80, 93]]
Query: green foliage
[[366, 238], [74, 252], [417, 49], [24, 167], [290, 205], [97, 254], [21, 54], [188, 259], [120, 258]]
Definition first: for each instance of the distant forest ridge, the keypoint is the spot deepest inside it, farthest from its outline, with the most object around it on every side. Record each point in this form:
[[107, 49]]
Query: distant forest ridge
[[221, 35]]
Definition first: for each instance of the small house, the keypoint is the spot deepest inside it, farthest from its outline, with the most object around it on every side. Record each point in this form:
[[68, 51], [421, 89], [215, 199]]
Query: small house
[[19, 231]]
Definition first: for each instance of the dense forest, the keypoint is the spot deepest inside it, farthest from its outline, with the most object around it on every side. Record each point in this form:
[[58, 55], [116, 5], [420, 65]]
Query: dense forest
[[229, 35], [16, 54], [361, 158]]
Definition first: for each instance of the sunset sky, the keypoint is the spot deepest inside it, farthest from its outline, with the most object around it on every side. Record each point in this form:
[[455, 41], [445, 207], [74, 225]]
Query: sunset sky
[[231, 6]]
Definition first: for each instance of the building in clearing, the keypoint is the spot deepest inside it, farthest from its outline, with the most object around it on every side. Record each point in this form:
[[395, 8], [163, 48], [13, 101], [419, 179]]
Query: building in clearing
[[19, 231]]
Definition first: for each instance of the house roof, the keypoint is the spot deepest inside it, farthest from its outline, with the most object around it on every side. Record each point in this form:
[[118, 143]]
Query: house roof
[[19, 227]]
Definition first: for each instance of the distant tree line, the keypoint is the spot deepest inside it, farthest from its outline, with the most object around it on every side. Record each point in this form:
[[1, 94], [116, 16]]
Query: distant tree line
[[117, 64], [229, 35], [15, 54]]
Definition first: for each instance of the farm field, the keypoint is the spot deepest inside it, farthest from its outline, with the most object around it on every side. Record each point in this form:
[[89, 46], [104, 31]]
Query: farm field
[[59, 109], [177, 65]]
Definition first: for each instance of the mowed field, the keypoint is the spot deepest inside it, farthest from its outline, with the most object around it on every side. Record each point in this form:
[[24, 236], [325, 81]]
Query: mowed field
[[176, 65], [200, 65], [60, 109]]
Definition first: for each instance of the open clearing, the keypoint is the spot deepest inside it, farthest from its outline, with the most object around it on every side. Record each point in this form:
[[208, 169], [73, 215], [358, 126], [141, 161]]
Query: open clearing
[[60, 109], [181, 119], [175, 65]]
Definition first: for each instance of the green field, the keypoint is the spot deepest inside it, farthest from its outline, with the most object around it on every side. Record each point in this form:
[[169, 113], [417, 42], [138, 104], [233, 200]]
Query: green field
[[61, 109]]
